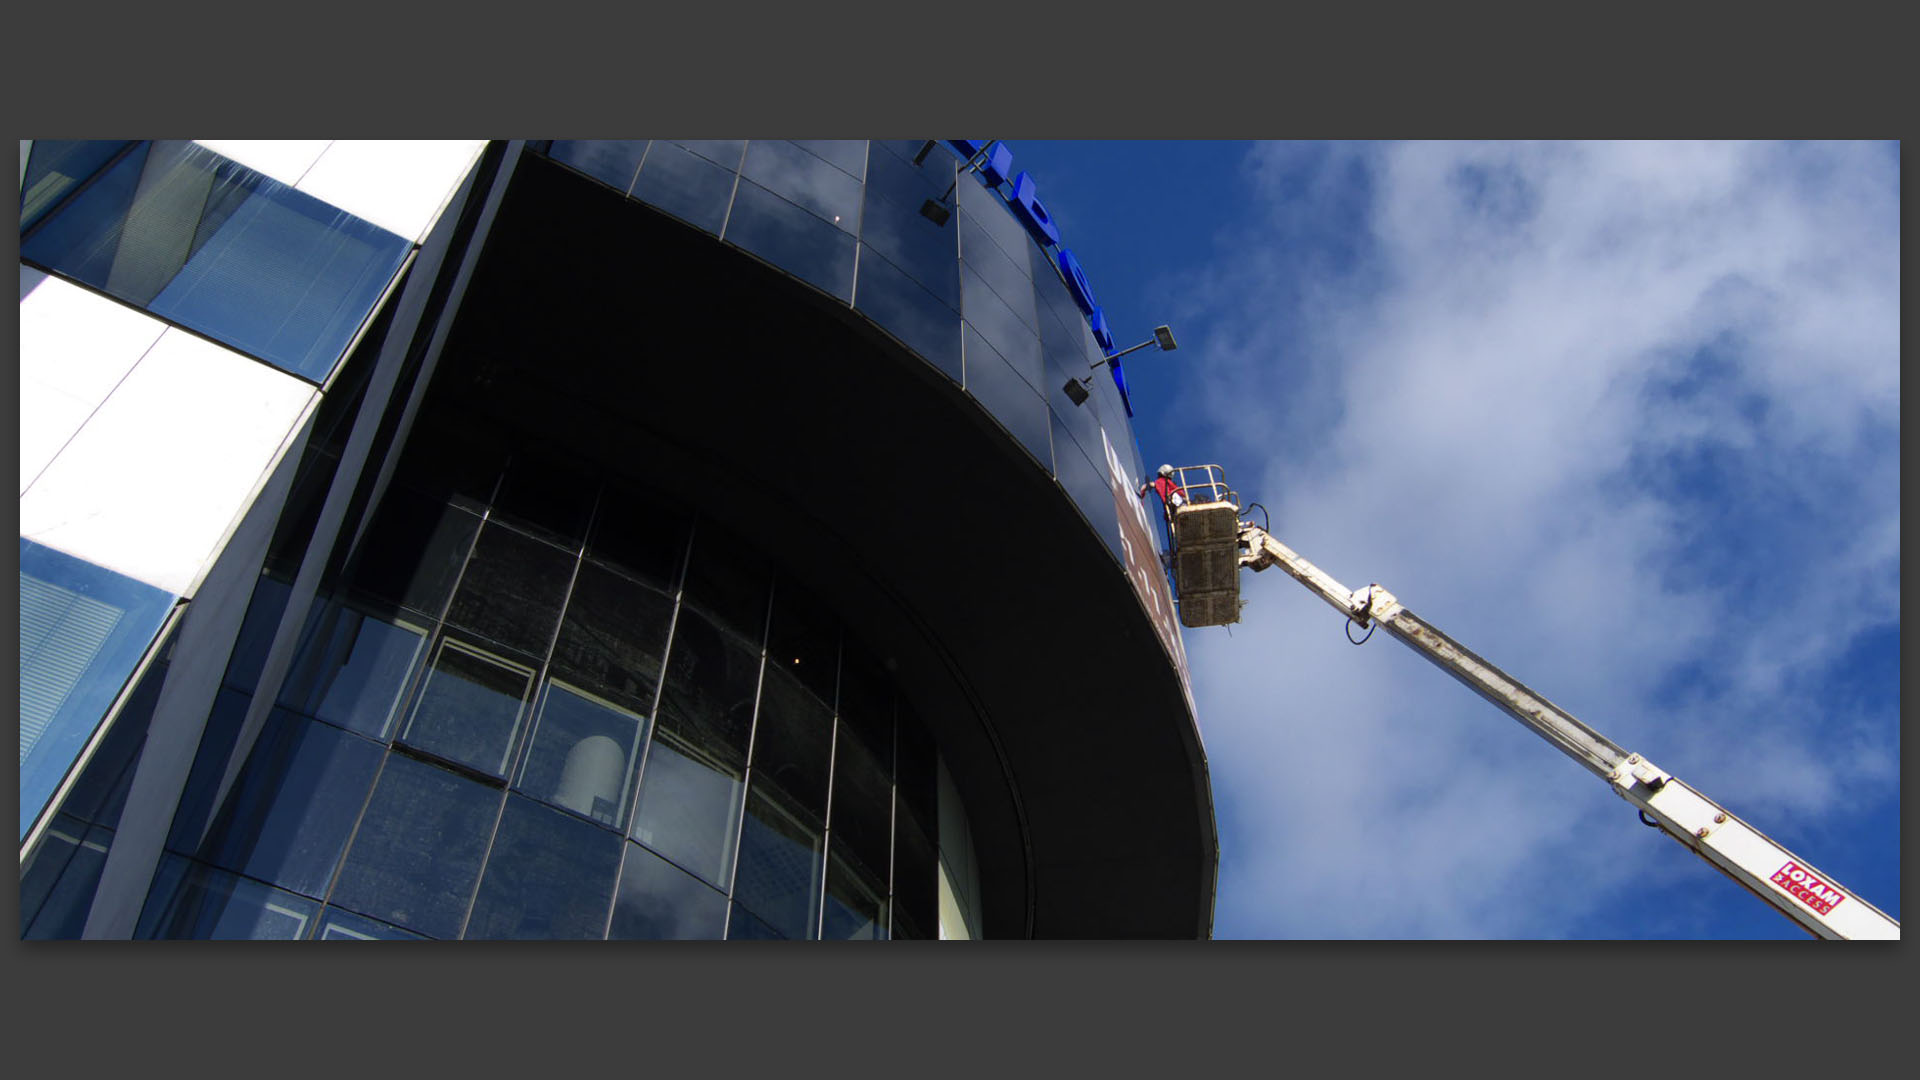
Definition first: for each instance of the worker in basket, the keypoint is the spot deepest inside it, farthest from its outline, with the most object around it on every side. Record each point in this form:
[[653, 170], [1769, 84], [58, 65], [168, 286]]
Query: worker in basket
[[1172, 495]]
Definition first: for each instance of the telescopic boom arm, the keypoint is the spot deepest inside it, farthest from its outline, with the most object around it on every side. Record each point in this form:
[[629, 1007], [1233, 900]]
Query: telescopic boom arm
[[1739, 850]]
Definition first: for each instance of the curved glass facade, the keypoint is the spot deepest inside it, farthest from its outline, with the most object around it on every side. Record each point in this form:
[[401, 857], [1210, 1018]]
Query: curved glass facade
[[531, 707], [974, 297]]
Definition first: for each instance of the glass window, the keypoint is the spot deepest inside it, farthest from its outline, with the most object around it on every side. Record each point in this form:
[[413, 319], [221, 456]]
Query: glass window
[[99, 793], [412, 552], [610, 161], [685, 185], [643, 535], [657, 901], [847, 154], [742, 926], [583, 755], [1010, 398], [893, 175], [856, 905], [796, 241], [353, 668], [779, 876], [1051, 290], [264, 608], [894, 226], [339, 924], [59, 879], [613, 640], [916, 887], [726, 581], [722, 152], [546, 497], [549, 876], [83, 629], [217, 738], [198, 902], [294, 805], [1087, 485], [1014, 340], [471, 707], [914, 775], [1009, 282], [804, 180], [57, 166], [862, 823], [512, 590], [866, 700], [689, 806], [1065, 360], [990, 212], [803, 639], [909, 312], [240, 257], [417, 854], [793, 744]]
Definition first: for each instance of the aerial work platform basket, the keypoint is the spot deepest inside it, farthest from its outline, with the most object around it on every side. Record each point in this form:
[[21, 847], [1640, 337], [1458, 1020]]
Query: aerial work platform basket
[[1206, 548]]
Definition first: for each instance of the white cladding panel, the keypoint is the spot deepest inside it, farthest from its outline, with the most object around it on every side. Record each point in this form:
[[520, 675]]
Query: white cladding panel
[[154, 480], [286, 160], [75, 347], [401, 186]]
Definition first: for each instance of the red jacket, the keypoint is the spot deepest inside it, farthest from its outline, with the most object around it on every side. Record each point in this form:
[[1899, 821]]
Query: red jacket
[[1165, 488]]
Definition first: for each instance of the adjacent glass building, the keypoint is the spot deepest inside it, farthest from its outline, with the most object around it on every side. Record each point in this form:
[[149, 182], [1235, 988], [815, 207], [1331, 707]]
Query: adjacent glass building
[[643, 539]]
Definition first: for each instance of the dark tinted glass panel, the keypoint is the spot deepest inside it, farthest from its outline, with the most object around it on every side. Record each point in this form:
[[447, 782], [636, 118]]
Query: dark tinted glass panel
[[712, 681], [866, 700], [789, 237], [804, 180], [209, 765], [862, 821], [614, 638], [803, 639], [100, 791], [689, 807], [928, 252], [644, 535], [610, 161], [892, 174], [722, 152], [58, 881], [224, 250], [1016, 343], [914, 774], [685, 185], [549, 498], [990, 212], [726, 581], [55, 167], [658, 900], [294, 805], [353, 668], [1008, 281], [742, 926], [337, 924], [82, 239], [549, 876], [1051, 290], [916, 888], [779, 875], [918, 318], [211, 905], [583, 756], [856, 906], [1088, 487], [792, 745], [412, 552], [848, 154], [1009, 398], [454, 463], [417, 853], [1066, 361], [512, 590], [471, 707], [264, 609], [83, 630]]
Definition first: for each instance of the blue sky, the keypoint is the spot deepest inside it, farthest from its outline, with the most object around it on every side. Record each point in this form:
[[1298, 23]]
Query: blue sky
[[1622, 418]]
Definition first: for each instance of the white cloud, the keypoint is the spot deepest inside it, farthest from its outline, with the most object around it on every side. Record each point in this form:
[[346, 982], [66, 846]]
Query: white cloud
[[1622, 418]]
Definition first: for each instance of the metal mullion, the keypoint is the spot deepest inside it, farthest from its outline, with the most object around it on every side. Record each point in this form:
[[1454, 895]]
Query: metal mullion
[[727, 218], [833, 759], [753, 735]]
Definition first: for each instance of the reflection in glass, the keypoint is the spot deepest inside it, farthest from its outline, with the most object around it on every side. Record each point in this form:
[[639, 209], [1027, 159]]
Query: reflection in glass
[[352, 668], [803, 179], [1010, 399], [512, 590], [417, 853], [548, 877], [779, 875], [847, 154], [55, 167], [1088, 487], [813, 250], [238, 256], [59, 878], [685, 185], [1016, 343], [546, 497], [614, 639], [294, 804], [659, 901], [339, 924], [862, 824], [470, 707], [793, 744], [1008, 281], [926, 252], [217, 741], [726, 580], [610, 161], [413, 550], [268, 603], [722, 152], [856, 905], [742, 926], [803, 638], [645, 537], [200, 903], [689, 807], [989, 210], [909, 312], [583, 754]]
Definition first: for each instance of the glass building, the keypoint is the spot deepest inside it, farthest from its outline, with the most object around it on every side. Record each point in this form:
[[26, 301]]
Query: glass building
[[636, 539]]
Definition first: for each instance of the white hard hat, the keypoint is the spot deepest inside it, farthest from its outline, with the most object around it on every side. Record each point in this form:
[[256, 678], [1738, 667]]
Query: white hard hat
[[1166, 470]]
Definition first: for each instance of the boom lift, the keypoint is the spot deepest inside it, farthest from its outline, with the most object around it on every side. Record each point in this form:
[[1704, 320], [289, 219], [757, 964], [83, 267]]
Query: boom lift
[[1211, 543]]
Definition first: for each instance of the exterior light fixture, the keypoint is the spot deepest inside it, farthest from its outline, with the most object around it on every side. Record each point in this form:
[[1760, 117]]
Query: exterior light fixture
[[940, 210], [1076, 389]]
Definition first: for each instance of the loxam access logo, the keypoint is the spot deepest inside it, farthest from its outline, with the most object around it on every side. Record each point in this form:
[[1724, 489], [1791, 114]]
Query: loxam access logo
[[1808, 889]]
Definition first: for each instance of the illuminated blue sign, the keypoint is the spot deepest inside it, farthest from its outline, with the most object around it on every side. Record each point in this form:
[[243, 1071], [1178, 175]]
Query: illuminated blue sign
[[993, 163]]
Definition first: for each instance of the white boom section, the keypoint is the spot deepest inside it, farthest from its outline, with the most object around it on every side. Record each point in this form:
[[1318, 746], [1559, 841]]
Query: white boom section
[[1744, 853]]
